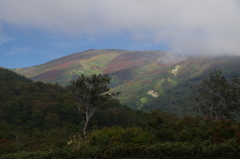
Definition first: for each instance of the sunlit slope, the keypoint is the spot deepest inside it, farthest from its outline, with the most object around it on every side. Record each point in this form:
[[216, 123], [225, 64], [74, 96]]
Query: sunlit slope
[[171, 88], [141, 76], [125, 65], [64, 69]]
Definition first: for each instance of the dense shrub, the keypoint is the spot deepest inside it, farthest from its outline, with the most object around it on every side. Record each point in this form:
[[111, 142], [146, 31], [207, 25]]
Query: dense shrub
[[173, 150]]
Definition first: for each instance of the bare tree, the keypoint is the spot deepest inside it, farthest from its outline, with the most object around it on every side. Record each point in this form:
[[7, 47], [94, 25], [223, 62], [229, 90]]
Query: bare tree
[[90, 93], [216, 97]]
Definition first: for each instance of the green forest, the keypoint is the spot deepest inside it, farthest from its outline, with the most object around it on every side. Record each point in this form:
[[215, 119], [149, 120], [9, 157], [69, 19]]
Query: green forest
[[41, 121]]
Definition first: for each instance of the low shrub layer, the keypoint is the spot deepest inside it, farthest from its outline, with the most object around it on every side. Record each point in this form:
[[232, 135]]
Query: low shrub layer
[[229, 149]]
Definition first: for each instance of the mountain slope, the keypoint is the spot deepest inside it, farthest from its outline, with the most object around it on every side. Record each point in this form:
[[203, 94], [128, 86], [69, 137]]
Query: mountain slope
[[64, 69], [177, 87], [141, 76]]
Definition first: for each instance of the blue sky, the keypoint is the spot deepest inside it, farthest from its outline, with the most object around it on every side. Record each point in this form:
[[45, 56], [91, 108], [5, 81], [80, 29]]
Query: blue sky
[[27, 47], [35, 32]]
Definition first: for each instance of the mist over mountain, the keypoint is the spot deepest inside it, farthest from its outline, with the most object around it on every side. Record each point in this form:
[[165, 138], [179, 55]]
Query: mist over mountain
[[147, 79]]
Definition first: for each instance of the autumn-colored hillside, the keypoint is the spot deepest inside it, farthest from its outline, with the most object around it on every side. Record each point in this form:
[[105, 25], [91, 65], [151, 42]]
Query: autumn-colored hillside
[[137, 73]]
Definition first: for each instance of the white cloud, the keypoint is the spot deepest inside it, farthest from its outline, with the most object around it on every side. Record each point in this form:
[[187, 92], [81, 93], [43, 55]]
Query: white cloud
[[4, 39], [18, 50], [187, 26]]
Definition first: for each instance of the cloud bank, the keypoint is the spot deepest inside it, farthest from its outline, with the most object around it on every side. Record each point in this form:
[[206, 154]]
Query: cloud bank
[[185, 26]]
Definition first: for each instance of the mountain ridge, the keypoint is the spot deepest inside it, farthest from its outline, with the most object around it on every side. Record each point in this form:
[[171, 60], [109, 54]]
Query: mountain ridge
[[134, 73], [88, 62]]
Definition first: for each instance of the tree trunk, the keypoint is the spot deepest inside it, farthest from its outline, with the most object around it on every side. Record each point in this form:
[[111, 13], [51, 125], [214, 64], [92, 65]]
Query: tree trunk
[[85, 126]]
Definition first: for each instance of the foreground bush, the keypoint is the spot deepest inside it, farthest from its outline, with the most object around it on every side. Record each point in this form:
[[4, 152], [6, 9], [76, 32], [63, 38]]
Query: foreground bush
[[229, 149], [188, 138]]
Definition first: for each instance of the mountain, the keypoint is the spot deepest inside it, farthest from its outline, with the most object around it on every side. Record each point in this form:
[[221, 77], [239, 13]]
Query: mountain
[[147, 79], [66, 68], [176, 89]]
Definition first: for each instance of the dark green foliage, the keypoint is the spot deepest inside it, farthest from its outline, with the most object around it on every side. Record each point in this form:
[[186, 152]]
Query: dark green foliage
[[113, 113], [118, 142], [37, 116], [8, 75], [91, 90], [162, 125], [30, 113], [194, 138], [178, 150], [216, 97], [90, 93], [37, 119], [191, 129]]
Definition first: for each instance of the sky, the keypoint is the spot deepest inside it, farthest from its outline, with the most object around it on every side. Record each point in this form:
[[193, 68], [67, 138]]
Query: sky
[[33, 32]]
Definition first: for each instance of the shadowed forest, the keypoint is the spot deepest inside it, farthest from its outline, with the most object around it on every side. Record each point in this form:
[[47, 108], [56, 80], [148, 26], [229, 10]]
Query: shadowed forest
[[41, 120]]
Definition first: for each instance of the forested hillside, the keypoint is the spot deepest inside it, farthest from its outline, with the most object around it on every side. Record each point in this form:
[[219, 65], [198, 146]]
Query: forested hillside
[[40, 120], [36, 115]]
